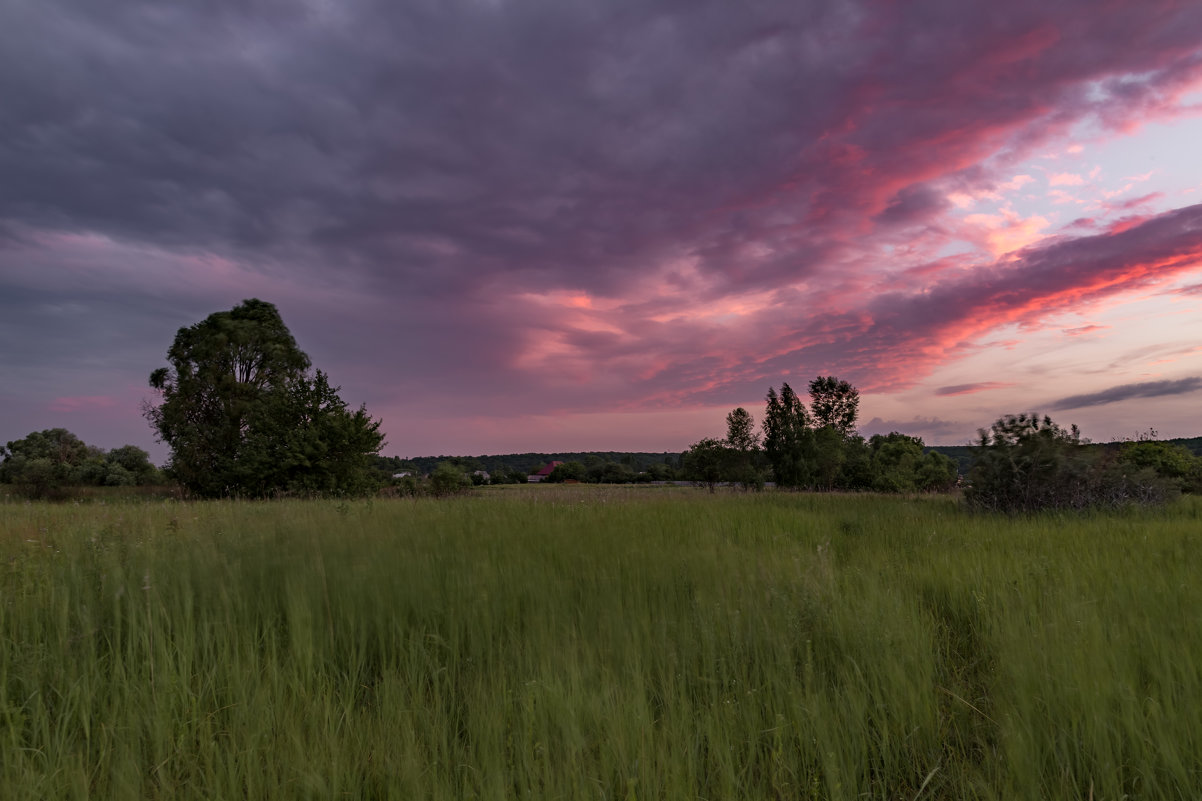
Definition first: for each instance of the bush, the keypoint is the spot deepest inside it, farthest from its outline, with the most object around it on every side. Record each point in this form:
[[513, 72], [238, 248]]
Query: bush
[[448, 479], [1025, 463], [1173, 463], [568, 471]]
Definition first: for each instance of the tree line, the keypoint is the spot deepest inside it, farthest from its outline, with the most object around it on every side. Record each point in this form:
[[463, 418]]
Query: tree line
[[44, 463], [245, 415], [816, 447], [1022, 463]]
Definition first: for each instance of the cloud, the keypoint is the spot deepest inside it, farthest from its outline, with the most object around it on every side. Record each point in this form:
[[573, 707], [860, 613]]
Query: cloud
[[82, 403], [565, 207], [1066, 179], [1147, 389], [1084, 329], [929, 428], [969, 389]]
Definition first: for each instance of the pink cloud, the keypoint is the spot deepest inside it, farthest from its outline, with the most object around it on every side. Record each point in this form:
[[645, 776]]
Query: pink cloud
[[888, 341], [1066, 179], [82, 403], [970, 389], [1084, 329], [663, 206]]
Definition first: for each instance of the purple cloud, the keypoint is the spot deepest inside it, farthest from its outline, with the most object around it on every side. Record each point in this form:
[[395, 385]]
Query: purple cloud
[[562, 207], [1146, 389]]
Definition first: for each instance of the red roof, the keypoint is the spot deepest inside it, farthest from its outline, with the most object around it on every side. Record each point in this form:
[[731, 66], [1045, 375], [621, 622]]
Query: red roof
[[546, 471]]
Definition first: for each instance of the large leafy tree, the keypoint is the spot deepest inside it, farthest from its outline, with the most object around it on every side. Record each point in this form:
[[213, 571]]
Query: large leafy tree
[[706, 462], [243, 416], [46, 461]]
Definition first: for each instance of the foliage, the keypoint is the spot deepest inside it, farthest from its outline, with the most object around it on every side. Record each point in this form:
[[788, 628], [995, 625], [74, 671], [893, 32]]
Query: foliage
[[901, 464], [815, 447], [1172, 462], [243, 416], [45, 464], [610, 473], [788, 438], [744, 459], [740, 431], [515, 467], [827, 457], [449, 479], [1026, 463], [507, 475], [895, 461], [568, 471], [936, 473], [834, 403], [706, 462], [855, 473]]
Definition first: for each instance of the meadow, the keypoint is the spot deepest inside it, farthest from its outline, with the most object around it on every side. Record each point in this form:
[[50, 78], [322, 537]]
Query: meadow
[[582, 642]]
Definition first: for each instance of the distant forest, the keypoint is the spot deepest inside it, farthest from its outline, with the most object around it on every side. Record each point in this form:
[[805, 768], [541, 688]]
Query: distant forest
[[528, 463], [640, 461], [962, 455]]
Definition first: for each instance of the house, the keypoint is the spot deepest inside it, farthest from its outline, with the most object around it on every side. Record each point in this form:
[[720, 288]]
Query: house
[[541, 475]]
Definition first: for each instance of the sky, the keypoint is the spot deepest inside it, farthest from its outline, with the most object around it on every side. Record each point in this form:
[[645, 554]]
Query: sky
[[558, 225]]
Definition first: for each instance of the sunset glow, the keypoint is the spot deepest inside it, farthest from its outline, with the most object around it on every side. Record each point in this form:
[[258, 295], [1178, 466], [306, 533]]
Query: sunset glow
[[523, 227]]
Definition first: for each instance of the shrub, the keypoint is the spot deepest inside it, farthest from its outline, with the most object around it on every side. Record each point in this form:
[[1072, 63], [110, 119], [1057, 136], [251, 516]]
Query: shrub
[[1025, 463], [448, 479], [1173, 463]]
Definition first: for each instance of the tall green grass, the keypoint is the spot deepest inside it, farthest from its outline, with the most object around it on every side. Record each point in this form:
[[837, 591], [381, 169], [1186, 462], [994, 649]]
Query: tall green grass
[[560, 642]]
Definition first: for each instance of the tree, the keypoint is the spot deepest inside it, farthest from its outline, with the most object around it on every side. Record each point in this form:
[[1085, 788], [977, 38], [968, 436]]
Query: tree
[[936, 473], [568, 471], [740, 431], [855, 473], [45, 463], [788, 438], [834, 403], [705, 462], [132, 463], [449, 479], [1169, 461], [243, 416], [829, 453], [744, 449], [896, 459]]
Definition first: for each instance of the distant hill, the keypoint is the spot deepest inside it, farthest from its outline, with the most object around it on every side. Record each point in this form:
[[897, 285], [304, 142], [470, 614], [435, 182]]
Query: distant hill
[[962, 455], [1193, 444], [530, 462]]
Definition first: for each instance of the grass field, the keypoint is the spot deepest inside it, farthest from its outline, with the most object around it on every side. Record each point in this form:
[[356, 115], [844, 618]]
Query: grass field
[[582, 642]]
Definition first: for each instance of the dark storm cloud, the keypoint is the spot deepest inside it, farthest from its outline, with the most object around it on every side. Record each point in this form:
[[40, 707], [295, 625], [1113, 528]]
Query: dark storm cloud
[[446, 143], [1147, 389], [410, 180]]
